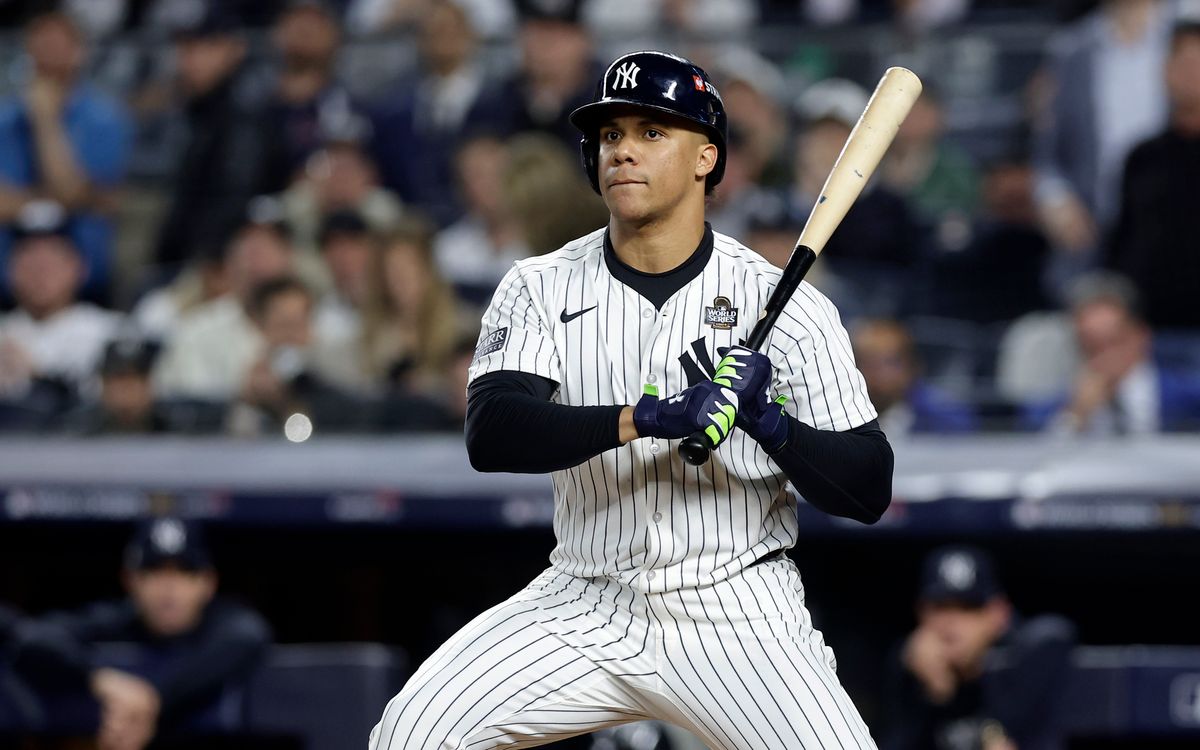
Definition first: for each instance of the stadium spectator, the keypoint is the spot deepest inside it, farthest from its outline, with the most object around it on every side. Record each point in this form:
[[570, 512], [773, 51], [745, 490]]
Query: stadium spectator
[[63, 140], [887, 358], [126, 403], [973, 674], [411, 325], [1119, 389], [476, 251], [348, 248], [703, 18], [1106, 96], [557, 72], [308, 100], [417, 131], [490, 18], [51, 342], [285, 378], [546, 194], [340, 176], [937, 179], [876, 246], [224, 163], [157, 314], [194, 646], [991, 268], [1157, 229], [753, 90], [214, 345]]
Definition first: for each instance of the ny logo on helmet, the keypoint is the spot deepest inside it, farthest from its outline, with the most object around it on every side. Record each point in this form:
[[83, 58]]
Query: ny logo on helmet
[[627, 76]]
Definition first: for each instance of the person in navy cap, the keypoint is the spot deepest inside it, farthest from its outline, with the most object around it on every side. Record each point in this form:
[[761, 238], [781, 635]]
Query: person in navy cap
[[196, 646], [974, 676]]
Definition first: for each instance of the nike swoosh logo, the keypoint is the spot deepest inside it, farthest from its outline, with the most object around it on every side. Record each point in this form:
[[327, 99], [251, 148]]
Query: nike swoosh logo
[[564, 317]]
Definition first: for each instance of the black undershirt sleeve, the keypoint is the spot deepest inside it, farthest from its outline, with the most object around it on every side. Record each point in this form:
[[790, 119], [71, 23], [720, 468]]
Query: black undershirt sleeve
[[847, 474], [513, 426]]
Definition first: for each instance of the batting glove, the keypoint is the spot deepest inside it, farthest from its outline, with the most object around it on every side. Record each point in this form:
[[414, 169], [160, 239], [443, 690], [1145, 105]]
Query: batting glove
[[705, 406], [749, 374]]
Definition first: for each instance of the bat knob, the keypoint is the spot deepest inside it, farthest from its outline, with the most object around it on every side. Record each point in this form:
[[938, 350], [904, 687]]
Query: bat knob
[[695, 449]]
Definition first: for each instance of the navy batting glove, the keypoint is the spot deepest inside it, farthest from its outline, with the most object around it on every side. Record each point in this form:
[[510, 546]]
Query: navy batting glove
[[750, 374], [705, 406]]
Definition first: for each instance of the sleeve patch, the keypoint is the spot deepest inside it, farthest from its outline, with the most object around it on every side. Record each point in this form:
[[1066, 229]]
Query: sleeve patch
[[493, 342]]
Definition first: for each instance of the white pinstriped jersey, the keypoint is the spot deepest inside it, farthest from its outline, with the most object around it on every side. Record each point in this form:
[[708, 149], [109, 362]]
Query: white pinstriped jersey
[[638, 513]]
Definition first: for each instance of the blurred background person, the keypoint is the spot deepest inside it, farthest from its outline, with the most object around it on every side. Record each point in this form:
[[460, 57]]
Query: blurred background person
[[886, 356], [308, 99], [126, 404], [1119, 388], [973, 675], [286, 378], [411, 325], [1154, 242], [613, 18], [1106, 95], [224, 162], [51, 342], [476, 251], [348, 248], [490, 18], [213, 346], [547, 195], [61, 139], [876, 247], [419, 125], [194, 645], [557, 70]]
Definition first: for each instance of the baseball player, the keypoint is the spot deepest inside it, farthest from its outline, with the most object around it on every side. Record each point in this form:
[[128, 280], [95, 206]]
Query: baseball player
[[669, 594]]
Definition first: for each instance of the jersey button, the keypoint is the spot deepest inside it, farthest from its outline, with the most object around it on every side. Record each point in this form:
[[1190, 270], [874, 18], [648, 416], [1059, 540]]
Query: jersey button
[[650, 576], [654, 448], [657, 517], [651, 378], [647, 313]]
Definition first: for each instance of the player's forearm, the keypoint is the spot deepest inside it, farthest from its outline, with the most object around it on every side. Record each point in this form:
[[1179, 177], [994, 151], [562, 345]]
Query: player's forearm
[[847, 474], [509, 429]]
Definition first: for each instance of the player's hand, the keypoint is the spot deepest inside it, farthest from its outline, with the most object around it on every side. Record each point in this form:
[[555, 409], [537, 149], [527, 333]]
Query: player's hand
[[749, 374], [707, 406]]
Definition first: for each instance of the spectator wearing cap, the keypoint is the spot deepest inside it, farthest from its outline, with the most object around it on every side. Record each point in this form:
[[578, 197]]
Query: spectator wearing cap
[[907, 403], [557, 72], [51, 337], [213, 346], [1119, 388], [63, 140], [754, 91], [419, 125], [1154, 242], [348, 249], [876, 247], [308, 100], [476, 251], [973, 674], [225, 160], [194, 644], [126, 404]]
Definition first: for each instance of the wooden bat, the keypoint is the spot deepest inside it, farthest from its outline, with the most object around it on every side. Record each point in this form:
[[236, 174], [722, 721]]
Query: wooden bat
[[872, 134]]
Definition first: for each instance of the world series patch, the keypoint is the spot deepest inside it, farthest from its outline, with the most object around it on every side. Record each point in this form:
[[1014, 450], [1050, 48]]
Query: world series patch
[[493, 342], [722, 315]]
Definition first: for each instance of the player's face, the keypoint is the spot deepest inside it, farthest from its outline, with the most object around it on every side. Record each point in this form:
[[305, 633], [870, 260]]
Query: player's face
[[650, 163], [170, 600]]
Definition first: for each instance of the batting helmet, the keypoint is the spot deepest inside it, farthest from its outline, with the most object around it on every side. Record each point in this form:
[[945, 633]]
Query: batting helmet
[[660, 81]]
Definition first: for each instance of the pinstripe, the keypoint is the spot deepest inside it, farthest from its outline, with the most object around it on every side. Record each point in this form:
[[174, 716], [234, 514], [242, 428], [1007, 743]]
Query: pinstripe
[[633, 618]]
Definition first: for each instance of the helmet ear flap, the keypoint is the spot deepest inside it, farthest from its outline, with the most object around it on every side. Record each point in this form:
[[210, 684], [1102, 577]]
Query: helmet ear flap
[[589, 151]]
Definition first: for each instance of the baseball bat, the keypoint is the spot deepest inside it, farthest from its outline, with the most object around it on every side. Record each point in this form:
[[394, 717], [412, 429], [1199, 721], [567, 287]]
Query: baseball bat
[[872, 134]]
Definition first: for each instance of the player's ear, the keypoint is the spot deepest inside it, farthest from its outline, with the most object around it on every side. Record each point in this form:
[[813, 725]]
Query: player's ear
[[706, 159]]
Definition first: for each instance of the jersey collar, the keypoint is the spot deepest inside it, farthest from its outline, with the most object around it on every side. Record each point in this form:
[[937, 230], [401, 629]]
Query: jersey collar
[[658, 287]]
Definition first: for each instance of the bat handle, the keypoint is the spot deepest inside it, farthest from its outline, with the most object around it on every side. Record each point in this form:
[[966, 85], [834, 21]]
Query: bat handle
[[695, 447]]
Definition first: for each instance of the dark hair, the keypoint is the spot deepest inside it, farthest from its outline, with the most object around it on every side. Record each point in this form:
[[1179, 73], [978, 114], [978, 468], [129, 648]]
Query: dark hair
[[265, 293]]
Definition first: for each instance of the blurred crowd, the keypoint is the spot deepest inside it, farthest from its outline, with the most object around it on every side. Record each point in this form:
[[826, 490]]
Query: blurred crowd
[[243, 236]]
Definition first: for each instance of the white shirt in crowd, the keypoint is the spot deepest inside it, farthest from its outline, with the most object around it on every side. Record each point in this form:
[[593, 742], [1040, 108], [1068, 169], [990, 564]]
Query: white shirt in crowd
[[66, 345]]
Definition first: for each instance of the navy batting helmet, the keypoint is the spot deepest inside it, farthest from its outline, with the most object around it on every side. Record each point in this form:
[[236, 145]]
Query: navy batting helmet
[[660, 81]]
